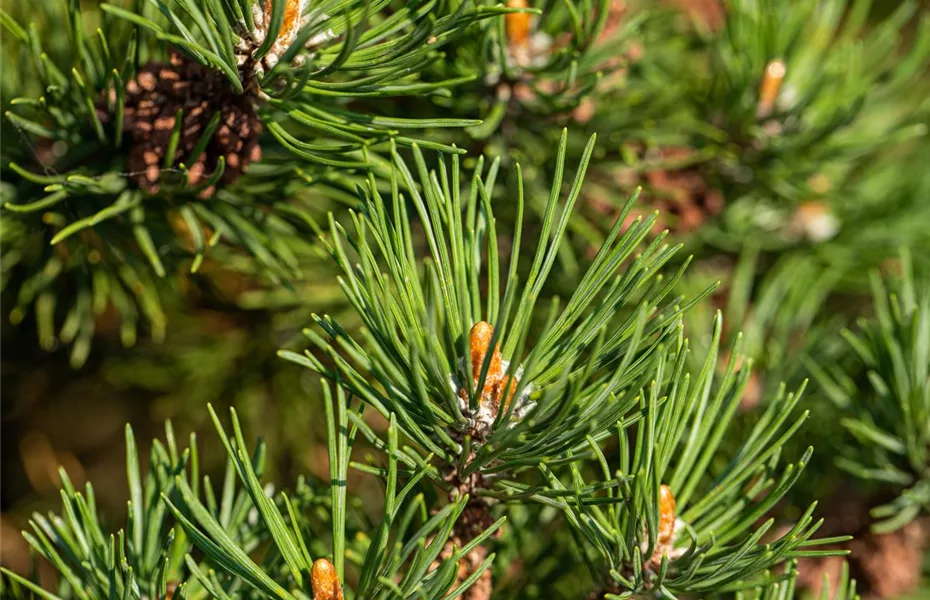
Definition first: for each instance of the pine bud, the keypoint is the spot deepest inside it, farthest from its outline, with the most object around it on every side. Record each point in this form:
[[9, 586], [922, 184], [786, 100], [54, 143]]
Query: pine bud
[[666, 519], [518, 24], [497, 384], [771, 85], [291, 16], [815, 221], [324, 582], [502, 387], [480, 341], [665, 536]]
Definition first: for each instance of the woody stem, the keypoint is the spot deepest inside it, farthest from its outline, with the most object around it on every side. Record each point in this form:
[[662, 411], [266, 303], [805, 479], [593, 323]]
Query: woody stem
[[475, 518]]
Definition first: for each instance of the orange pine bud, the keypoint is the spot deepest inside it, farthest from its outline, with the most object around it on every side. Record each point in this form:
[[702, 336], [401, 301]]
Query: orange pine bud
[[771, 85], [665, 539], [324, 582], [496, 383], [518, 24], [502, 387], [666, 517], [291, 16], [480, 340]]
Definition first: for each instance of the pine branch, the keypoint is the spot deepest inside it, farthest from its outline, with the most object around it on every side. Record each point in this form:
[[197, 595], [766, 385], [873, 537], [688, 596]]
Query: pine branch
[[168, 99], [769, 128], [805, 85], [540, 61], [417, 341], [418, 345], [144, 560], [886, 396], [701, 532], [397, 560], [248, 537]]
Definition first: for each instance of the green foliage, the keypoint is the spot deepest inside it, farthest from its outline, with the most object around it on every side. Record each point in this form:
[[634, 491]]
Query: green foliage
[[575, 373], [96, 238], [886, 396], [845, 132], [252, 542], [599, 401], [847, 92], [784, 588], [401, 557], [718, 544], [613, 360], [134, 563], [514, 82]]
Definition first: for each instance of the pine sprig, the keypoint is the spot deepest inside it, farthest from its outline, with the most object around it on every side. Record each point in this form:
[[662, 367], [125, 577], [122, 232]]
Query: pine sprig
[[700, 533], [248, 540], [886, 396], [543, 60], [768, 128], [401, 556], [798, 109], [144, 560], [573, 372]]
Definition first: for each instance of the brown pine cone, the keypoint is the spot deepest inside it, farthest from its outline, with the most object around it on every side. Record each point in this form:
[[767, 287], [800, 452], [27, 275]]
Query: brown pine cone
[[152, 102]]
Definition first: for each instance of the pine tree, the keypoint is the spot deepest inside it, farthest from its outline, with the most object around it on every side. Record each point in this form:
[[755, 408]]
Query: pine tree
[[583, 275]]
